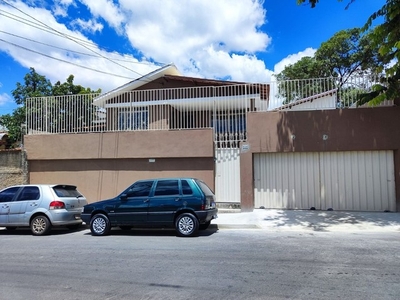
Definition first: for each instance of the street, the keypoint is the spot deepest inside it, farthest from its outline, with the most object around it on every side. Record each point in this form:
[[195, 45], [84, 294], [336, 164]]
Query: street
[[219, 264]]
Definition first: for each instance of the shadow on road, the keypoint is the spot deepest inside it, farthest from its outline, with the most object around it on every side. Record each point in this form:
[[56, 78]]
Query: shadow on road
[[322, 220], [154, 232]]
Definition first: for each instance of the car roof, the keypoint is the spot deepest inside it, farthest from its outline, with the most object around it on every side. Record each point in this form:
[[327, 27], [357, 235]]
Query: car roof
[[168, 178], [40, 185]]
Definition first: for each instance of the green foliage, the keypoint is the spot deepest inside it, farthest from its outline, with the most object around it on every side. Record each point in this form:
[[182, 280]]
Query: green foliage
[[386, 39], [35, 85], [345, 54], [384, 42], [57, 110], [13, 122], [306, 68]]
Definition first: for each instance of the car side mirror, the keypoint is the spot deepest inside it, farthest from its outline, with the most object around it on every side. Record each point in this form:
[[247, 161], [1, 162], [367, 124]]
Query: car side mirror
[[124, 196]]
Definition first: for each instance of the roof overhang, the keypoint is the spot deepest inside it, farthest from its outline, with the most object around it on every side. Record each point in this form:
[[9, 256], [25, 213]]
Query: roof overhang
[[134, 84]]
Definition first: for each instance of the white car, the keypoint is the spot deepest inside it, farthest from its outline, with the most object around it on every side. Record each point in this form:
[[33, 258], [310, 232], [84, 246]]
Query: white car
[[41, 206]]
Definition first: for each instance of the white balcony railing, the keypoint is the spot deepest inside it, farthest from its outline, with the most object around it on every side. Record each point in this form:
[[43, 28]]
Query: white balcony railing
[[222, 108]]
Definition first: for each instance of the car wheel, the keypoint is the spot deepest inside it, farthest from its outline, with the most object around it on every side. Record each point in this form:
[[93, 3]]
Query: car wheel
[[40, 225], [204, 226], [100, 225], [186, 225]]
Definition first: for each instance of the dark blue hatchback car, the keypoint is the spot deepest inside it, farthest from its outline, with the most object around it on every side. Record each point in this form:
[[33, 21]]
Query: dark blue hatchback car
[[187, 204]]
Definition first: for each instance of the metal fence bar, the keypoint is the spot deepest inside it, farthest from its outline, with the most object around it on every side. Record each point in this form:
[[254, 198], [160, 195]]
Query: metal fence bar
[[223, 108]]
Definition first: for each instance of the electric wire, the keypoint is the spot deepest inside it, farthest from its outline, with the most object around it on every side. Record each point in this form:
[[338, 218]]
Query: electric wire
[[74, 40], [69, 50], [64, 61]]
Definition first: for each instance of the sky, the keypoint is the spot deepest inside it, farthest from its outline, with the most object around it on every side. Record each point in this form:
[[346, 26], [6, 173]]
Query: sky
[[107, 43]]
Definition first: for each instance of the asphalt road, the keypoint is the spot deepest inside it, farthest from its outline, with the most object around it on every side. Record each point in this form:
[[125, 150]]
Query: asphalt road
[[219, 264]]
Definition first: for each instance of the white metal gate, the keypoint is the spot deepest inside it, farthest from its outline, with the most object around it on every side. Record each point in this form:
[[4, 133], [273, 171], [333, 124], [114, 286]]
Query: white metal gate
[[350, 180], [227, 175]]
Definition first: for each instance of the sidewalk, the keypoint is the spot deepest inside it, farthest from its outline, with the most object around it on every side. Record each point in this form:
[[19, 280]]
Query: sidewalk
[[310, 220]]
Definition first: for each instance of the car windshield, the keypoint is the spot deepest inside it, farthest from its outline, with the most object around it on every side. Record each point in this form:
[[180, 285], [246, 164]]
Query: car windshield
[[206, 190], [66, 191]]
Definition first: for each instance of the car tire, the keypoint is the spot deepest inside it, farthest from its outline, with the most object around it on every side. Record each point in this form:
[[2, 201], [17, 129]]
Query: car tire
[[204, 226], [40, 225], [186, 224], [100, 225]]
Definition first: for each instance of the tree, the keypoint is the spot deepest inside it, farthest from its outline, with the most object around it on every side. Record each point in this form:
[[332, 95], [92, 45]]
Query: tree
[[53, 109], [290, 89], [385, 39], [345, 54], [35, 85]]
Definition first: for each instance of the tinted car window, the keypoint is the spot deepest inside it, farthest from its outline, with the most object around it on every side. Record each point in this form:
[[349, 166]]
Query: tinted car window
[[66, 191], [139, 189], [29, 193], [186, 189], [167, 188], [206, 190], [8, 194]]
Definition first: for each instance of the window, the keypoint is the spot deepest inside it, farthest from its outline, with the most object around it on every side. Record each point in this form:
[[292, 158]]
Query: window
[[66, 191], [8, 194], [186, 189], [204, 187], [134, 119], [139, 189], [229, 129], [167, 188], [229, 123], [29, 193]]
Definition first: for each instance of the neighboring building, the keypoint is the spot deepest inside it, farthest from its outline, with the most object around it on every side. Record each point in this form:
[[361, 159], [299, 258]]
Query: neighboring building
[[255, 149]]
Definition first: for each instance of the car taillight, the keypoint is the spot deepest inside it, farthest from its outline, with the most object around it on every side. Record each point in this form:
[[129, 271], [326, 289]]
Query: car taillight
[[56, 205], [208, 203]]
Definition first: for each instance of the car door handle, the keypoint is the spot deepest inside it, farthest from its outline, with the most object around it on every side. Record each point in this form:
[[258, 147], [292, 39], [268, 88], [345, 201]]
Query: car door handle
[[178, 199], [33, 204], [5, 206], [147, 200]]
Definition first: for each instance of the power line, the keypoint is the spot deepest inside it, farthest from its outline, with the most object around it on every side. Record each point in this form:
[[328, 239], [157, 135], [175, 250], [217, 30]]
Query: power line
[[72, 39], [68, 50], [65, 61], [38, 26]]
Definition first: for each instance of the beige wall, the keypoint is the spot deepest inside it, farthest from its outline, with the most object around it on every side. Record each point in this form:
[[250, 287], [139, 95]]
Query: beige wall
[[303, 131], [103, 164], [138, 144]]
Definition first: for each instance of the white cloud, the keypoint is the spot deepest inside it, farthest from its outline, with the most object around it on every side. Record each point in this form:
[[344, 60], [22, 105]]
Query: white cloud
[[293, 58], [204, 38], [61, 6], [108, 10], [5, 99], [28, 52], [89, 26], [171, 31]]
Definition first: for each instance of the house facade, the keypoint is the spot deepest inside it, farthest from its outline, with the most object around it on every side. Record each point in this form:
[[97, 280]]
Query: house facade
[[253, 148]]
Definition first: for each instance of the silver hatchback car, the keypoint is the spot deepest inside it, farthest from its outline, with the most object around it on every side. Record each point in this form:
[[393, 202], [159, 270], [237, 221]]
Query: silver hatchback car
[[41, 206]]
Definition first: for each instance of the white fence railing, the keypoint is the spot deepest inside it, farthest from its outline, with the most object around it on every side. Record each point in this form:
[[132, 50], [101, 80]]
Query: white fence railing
[[223, 108]]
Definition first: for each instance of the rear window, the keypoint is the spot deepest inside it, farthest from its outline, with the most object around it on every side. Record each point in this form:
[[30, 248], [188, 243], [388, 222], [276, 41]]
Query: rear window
[[206, 190], [66, 191]]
